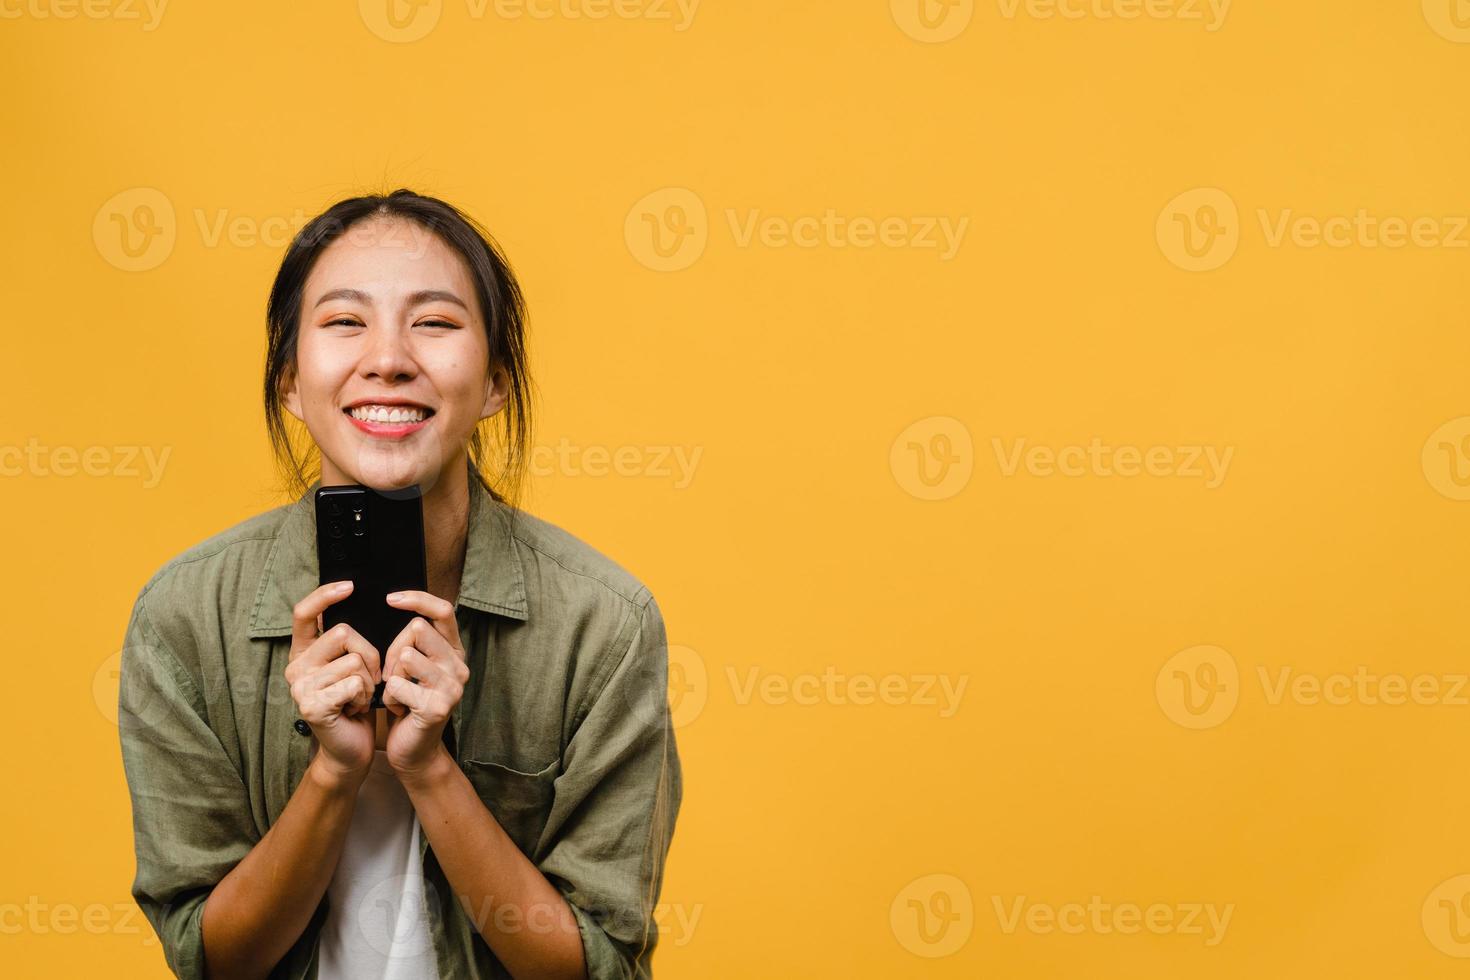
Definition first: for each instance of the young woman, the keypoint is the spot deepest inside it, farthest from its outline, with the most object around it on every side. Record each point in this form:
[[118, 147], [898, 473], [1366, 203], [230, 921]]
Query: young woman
[[508, 812]]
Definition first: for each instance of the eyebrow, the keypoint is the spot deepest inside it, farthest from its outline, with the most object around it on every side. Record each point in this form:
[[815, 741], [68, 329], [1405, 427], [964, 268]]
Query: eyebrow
[[414, 299]]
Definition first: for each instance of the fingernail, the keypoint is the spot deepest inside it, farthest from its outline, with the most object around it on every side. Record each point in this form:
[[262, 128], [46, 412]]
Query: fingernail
[[394, 595], [342, 586]]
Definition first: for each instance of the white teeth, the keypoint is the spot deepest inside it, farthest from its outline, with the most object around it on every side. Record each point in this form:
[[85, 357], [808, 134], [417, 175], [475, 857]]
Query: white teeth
[[386, 414]]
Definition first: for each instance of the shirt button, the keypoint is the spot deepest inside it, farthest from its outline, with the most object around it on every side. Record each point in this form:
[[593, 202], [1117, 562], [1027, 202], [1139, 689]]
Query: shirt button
[[302, 728]]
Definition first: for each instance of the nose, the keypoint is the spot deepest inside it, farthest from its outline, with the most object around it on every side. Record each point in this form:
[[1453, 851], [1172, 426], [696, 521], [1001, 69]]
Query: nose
[[387, 356]]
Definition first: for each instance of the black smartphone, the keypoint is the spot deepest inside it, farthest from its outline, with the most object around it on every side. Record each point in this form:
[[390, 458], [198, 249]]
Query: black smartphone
[[375, 538]]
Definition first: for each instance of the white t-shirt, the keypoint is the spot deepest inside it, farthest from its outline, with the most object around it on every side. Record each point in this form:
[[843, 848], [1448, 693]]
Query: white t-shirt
[[377, 924]]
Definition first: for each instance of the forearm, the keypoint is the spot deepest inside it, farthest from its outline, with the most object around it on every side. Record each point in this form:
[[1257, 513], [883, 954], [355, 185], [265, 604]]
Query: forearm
[[521, 915], [258, 910]]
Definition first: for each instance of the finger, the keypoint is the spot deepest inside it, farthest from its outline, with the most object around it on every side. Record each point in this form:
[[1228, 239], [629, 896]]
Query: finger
[[308, 690], [422, 636], [344, 666], [432, 644], [327, 704], [330, 646], [438, 611], [403, 639], [401, 691], [304, 615], [412, 665], [427, 706]]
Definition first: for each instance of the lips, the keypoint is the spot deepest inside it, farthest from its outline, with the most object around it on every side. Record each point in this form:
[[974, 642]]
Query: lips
[[388, 419]]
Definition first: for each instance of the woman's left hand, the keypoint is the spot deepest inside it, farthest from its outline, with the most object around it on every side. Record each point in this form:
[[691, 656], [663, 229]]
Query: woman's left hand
[[428, 651]]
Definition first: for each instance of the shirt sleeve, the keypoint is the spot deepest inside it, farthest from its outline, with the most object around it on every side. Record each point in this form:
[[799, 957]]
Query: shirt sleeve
[[191, 812], [615, 805]]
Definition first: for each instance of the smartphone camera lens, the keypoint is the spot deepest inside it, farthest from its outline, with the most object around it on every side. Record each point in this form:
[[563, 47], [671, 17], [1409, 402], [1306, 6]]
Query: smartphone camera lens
[[334, 528], [334, 507], [337, 552]]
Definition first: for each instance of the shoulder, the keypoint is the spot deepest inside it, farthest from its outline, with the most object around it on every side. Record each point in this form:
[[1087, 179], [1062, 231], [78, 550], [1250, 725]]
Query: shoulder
[[210, 586], [576, 568]]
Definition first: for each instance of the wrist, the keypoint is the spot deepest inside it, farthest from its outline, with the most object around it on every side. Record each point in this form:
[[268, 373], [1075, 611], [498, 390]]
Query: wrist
[[333, 780], [428, 773]]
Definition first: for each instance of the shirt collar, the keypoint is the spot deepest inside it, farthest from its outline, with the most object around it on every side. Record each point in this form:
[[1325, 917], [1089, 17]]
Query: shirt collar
[[492, 581]]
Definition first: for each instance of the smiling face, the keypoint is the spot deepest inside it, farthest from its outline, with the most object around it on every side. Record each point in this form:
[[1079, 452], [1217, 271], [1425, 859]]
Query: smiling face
[[391, 372]]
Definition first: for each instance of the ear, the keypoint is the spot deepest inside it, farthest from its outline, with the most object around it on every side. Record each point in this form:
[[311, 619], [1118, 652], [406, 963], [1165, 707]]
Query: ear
[[497, 389], [290, 397]]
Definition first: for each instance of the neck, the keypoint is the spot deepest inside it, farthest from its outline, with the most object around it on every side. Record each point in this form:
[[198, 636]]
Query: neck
[[446, 529]]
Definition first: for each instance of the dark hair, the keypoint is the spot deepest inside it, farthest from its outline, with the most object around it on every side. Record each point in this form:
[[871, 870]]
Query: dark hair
[[501, 303]]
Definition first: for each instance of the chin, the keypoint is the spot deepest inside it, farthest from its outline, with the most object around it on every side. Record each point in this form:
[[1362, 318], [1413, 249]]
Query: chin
[[386, 470]]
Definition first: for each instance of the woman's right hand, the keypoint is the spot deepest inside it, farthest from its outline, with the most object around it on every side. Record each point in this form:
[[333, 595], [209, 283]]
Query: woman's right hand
[[332, 676]]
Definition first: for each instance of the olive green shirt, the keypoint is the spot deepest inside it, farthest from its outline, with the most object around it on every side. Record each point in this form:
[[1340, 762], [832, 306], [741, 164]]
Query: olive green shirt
[[563, 730]]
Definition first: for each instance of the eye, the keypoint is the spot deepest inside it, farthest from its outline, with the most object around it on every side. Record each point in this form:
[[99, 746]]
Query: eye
[[344, 320], [437, 323]]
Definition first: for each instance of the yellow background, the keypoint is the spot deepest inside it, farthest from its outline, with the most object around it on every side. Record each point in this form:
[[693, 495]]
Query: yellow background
[[1335, 832]]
